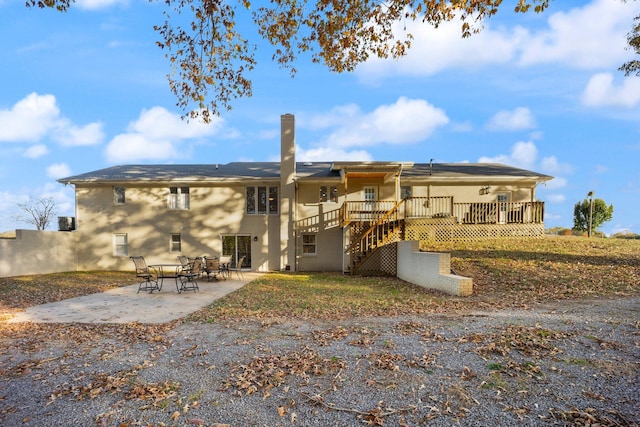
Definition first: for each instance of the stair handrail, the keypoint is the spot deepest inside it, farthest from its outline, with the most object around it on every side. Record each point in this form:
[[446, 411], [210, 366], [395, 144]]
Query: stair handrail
[[380, 221]]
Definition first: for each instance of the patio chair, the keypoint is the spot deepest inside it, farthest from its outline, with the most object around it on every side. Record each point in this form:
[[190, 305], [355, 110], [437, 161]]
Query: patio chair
[[238, 268], [147, 276], [211, 267], [188, 276], [184, 261], [225, 262]]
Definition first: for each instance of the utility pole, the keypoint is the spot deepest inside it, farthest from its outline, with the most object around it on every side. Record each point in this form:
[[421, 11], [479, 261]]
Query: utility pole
[[590, 194]]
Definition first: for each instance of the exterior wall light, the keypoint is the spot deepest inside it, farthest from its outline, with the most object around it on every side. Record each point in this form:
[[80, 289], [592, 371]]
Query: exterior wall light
[[484, 190]]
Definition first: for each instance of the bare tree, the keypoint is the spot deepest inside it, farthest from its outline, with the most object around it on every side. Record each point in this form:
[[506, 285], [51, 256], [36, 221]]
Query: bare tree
[[38, 212]]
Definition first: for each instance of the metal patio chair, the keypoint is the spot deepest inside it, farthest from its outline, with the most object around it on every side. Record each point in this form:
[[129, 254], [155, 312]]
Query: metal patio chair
[[185, 261], [189, 276], [147, 276], [211, 267], [238, 268], [225, 262]]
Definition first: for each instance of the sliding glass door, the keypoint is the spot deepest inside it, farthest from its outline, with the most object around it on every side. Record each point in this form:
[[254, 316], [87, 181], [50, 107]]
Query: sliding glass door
[[237, 246]]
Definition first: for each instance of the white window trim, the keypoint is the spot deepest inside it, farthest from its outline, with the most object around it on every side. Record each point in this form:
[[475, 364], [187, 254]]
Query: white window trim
[[171, 242], [180, 200], [256, 201], [315, 244], [125, 245]]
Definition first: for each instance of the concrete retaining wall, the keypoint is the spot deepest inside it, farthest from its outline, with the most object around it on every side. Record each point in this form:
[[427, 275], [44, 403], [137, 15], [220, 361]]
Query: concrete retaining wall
[[430, 270], [38, 252]]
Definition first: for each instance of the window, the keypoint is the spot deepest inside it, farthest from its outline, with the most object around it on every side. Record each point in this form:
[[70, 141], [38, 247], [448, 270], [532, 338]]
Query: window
[[309, 244], [406, 191], [273, 200], [120, 245], [118, 195], [262, 200], [329, 193], [175, 244], [178, 197]]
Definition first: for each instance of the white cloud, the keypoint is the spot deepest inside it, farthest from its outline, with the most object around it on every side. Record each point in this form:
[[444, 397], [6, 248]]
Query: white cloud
[[11, 200], [30, 119], [157, 123], [130, 147], [462, 127], [589, 37], [337, 116], [435, 50], [523, 155], [592, 36], [404, 122], [33, 47], [518, 119], [99, 4], [601, 91], [58, 170], [36, 117], [553, 166], [158, 135], [331, 153], [555, 183], [90, 134], [556, 198], [550, 216], [36, 151]]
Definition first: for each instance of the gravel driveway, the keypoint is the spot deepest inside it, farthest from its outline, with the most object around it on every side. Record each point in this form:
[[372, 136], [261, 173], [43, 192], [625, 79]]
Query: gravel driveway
[[566, 363]]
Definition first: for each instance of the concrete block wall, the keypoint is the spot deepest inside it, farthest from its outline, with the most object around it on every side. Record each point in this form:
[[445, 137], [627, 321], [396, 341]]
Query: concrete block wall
[[430, 270]]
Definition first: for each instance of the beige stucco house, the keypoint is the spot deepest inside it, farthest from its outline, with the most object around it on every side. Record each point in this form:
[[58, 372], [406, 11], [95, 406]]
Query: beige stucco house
[[288, 215]]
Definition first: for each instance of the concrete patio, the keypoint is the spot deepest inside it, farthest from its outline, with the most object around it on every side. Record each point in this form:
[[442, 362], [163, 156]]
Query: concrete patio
[[125, 304]]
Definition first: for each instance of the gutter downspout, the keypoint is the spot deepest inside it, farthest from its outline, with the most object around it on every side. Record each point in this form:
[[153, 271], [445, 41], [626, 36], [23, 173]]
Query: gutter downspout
[[295, 225]]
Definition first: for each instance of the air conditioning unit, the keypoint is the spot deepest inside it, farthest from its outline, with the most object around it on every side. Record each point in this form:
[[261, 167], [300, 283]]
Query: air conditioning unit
[[66, 223]]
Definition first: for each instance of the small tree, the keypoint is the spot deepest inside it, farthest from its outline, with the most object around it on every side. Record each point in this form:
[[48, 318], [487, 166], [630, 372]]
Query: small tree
[[39, 212], [582, 212]]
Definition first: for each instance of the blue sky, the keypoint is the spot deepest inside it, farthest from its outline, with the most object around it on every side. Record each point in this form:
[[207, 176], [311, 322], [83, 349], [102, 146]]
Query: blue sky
[[87, 89]]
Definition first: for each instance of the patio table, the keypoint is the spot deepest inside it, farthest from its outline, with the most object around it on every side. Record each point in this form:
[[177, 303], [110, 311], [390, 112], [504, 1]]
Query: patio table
[[168, 271]]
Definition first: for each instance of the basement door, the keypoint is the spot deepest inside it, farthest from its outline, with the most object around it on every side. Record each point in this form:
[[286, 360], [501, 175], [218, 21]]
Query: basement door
[[237, 246]]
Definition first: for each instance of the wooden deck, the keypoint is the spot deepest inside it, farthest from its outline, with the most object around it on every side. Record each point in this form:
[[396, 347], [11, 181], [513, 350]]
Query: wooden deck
[[444, 207], [374, 224]]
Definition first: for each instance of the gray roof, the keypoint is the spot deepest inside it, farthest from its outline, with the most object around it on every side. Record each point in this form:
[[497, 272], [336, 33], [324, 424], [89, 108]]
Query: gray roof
[[470, 170], [239, 171], [166, 173]]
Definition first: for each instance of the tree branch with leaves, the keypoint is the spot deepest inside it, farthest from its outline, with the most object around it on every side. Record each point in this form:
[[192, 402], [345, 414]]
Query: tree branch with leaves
[[633, 40], [211, 61]]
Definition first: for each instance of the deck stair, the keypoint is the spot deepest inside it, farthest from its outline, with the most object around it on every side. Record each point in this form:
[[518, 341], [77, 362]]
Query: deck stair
[[386, 229]]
